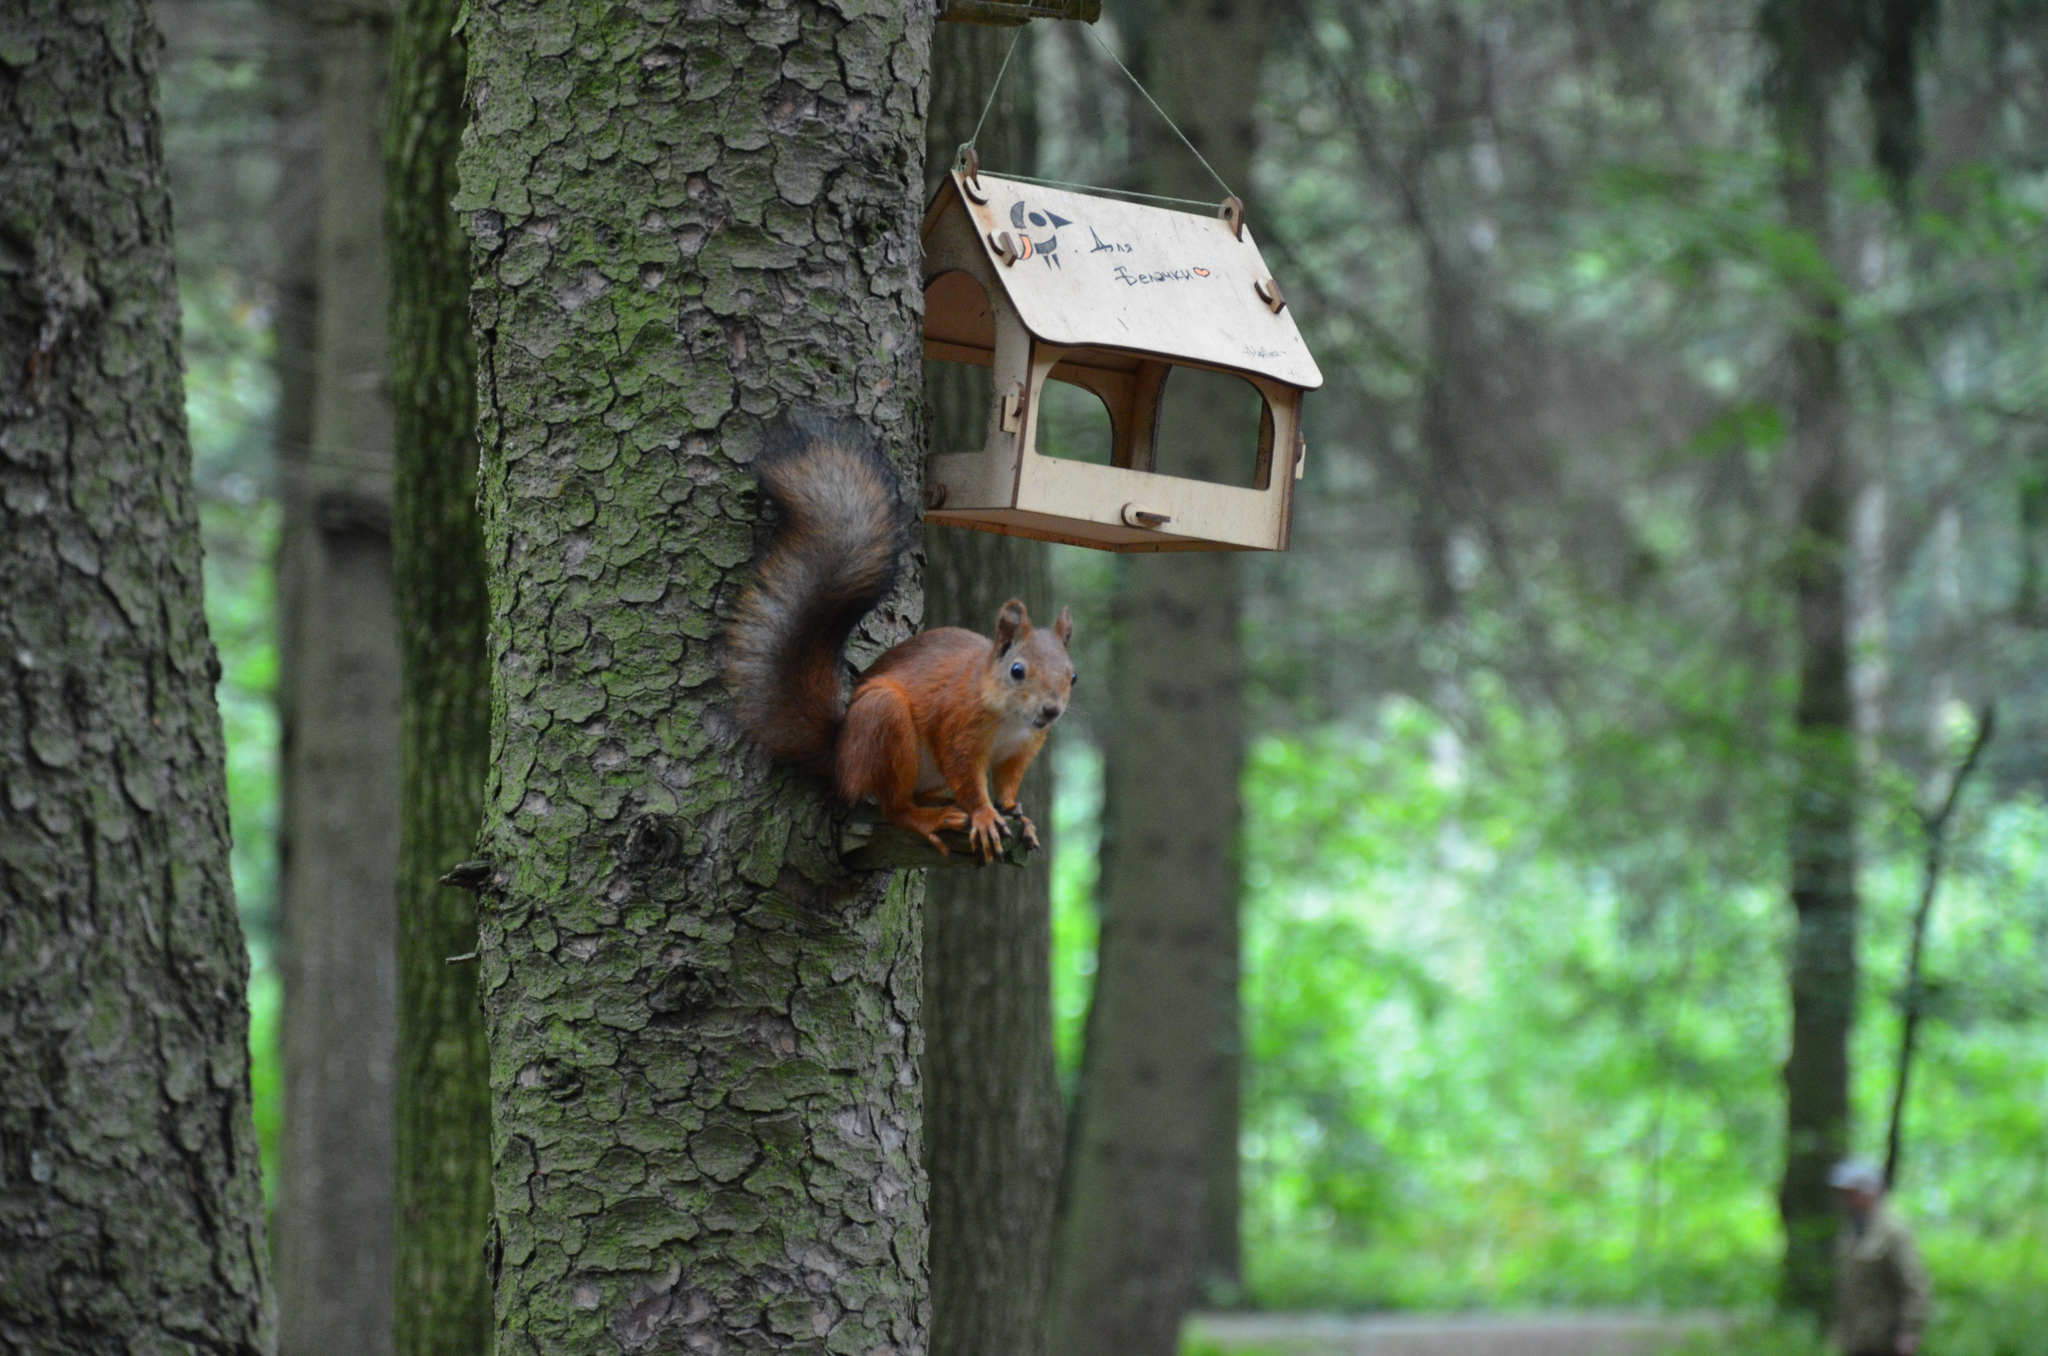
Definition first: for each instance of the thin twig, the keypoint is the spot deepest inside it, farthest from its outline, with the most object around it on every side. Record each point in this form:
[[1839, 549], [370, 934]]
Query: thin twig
[[1935, 829]]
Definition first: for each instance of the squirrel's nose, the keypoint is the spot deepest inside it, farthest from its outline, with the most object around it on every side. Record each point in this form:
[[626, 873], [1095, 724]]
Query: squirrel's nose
[[1048, 715]]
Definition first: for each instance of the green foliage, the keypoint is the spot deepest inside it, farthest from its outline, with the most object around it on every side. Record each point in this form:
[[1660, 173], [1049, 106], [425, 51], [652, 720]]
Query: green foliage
[[1076, 867], [230, 385], [230, 396], [1197, 1345], [1993, 1290], [230, 401], [1502, 1055], [1499, 1071], [1755, 1336], [240, 604]]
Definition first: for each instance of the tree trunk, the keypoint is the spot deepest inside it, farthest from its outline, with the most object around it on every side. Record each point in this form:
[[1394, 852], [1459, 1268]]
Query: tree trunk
[[293, 216], [704, 1034], [339, 670], [1151, 1201], [130, 1206], [443, 1184], [1822, 828], [992, 1102]]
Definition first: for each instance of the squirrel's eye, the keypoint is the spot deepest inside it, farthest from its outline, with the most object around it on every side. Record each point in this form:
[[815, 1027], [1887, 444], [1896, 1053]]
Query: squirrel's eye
[[1017, 670], [1073, 680]]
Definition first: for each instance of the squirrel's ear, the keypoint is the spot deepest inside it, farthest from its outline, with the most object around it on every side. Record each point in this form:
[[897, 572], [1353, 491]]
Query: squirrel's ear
[[1011, 622], [1064, 627]]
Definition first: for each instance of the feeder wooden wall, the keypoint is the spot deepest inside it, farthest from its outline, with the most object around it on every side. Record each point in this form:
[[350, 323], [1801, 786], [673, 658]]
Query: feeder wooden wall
[[1041, 284]]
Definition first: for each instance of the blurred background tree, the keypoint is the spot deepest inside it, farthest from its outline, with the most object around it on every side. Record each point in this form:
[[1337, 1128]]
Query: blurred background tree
[[994, 1120], [442, 1185], [338, 694], [1150, 1208]]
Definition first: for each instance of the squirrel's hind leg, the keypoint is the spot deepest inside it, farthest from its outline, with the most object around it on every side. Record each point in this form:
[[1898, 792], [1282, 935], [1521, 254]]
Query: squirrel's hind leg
[[878, 757]]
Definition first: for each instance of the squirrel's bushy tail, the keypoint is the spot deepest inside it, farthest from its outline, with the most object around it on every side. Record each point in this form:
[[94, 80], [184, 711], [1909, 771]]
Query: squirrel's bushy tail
[[844, 532]]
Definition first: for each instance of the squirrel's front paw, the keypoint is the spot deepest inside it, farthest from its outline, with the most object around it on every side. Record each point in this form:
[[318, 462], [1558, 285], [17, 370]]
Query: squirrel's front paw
[[1029, 830], [986, 833]]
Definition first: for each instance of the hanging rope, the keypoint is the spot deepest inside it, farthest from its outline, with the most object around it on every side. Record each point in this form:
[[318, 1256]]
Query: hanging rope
[[1161, 112], [997, 84], [987, 104]]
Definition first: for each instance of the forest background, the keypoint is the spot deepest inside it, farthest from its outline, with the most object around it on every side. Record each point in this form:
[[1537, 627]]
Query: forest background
[[1521, 699]]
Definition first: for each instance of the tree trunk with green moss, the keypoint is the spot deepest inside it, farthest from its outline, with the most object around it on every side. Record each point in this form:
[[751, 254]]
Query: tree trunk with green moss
[[993, 1117], [1150, 1207], [442, 1111], [704, 1033], [131, 1214]]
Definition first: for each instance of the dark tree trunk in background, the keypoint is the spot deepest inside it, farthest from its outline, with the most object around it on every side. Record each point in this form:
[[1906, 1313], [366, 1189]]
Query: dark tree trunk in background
[[130, 1207], [294, 237], [443, 1186], [1151, 1201], [993, 1117], [1455, 359], [1214, 79], [704, 1034], [1822, 833], [2030, 603], [339, 694]]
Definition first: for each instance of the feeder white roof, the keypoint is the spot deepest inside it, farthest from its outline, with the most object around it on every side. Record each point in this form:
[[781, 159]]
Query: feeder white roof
[[1102, 272]]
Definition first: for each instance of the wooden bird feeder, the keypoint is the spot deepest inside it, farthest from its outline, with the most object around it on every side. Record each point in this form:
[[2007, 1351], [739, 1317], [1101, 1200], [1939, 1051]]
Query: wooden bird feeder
[[1045, 285]]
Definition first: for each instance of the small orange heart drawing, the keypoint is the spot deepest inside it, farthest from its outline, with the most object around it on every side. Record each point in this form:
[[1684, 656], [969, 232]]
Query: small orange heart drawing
[[1201, 273]]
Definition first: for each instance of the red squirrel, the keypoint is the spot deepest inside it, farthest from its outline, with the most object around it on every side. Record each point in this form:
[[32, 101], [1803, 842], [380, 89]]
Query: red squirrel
[[939, 713]]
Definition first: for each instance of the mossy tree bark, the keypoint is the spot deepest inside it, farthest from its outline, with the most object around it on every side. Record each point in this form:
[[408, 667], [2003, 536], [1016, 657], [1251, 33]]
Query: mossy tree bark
[[704, 1034], [442, 1098], [992, 1101], [130, 1208], [1808, 56], [1151, 1192], [339, 706]]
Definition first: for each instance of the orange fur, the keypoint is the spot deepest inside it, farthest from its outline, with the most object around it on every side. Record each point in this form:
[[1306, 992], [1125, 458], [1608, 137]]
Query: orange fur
[[928, 716]]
